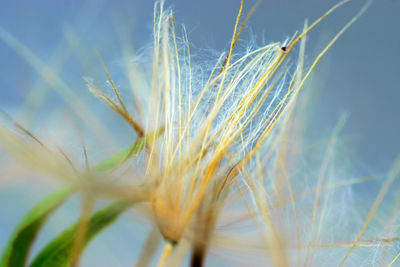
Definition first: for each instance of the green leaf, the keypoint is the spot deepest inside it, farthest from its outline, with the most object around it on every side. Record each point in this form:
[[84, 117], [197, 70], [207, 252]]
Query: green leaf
[[121, 156], [17, 248], [59, 251]]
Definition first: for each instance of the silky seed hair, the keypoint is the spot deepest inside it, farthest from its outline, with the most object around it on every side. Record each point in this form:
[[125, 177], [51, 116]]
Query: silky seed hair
[[215, 143]]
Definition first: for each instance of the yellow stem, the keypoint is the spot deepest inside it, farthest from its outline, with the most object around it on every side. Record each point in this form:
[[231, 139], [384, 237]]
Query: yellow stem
[[165, 253]]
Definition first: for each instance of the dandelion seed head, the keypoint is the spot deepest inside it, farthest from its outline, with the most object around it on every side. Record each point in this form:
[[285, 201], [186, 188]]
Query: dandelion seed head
[[223, 162]]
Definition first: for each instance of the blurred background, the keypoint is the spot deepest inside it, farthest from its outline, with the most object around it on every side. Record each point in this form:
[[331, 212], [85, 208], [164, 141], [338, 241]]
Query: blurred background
[[359, 75]]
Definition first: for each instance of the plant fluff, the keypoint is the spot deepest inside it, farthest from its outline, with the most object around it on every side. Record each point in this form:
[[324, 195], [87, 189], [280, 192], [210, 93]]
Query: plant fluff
[[218, 161]]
